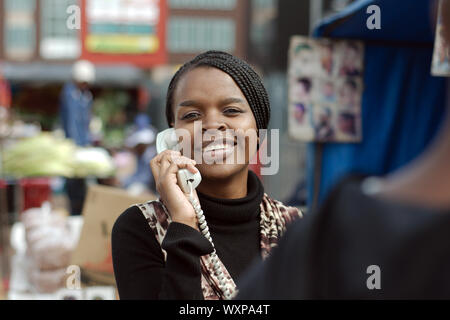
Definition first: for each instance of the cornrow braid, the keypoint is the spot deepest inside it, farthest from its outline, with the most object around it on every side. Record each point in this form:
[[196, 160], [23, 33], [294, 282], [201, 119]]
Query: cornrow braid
[[243, 75]]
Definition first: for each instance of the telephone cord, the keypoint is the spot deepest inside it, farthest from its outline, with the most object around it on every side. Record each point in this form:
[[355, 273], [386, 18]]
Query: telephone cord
[[213, 258]]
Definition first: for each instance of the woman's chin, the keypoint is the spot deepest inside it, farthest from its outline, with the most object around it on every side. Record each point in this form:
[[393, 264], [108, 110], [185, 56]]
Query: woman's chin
[[219, 171]]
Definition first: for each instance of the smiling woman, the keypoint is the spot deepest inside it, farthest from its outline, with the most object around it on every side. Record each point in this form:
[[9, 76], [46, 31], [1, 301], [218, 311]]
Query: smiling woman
[[210, 97]]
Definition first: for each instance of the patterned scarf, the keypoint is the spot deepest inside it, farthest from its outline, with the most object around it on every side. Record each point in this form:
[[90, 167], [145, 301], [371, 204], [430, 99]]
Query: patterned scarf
[[274, 218]]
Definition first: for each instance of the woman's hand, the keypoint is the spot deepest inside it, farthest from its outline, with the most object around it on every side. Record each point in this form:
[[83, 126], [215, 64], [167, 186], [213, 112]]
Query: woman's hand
[[165, 167]]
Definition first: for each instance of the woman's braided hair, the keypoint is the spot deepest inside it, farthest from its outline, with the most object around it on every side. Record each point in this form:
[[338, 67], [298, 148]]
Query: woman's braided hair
[[245, 77]]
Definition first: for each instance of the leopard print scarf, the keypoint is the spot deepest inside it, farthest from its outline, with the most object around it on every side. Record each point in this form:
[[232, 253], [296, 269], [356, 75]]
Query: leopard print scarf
[[273, 222]]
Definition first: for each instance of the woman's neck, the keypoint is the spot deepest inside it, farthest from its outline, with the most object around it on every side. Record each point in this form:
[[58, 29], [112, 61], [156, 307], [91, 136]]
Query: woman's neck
[[426, 181], [233, 187]]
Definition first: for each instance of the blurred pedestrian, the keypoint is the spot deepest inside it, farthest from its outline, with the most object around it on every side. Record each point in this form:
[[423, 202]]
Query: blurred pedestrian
[[75, 111], [142, 143]]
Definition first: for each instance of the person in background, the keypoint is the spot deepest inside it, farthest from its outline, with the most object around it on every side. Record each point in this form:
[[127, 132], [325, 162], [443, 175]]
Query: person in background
[[76, 103], [373, 238], [75, 111], [142, 143]]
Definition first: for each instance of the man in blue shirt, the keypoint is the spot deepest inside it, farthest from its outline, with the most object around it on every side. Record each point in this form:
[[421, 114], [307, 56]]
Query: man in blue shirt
[[76, 105]]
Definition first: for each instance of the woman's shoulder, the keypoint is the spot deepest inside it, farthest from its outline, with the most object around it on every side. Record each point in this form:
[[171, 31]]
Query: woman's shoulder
[[131, 230], [289, 213], [137, 216]]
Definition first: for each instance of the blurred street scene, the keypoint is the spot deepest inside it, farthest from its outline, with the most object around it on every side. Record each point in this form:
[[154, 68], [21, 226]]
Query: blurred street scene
[[82, 97]]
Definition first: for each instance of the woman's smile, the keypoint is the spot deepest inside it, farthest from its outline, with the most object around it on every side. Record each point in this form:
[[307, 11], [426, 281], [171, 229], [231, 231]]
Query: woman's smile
[[219, 149]]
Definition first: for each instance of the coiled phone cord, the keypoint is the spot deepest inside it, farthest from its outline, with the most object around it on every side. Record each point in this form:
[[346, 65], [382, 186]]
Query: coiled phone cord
[[213, 258]]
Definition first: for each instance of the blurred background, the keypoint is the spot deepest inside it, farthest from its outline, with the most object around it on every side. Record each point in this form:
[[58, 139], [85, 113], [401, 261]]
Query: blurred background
[[57, 164], [37, 51]]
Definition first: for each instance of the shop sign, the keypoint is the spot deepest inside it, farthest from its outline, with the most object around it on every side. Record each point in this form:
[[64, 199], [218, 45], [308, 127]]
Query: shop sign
[[124, 31]]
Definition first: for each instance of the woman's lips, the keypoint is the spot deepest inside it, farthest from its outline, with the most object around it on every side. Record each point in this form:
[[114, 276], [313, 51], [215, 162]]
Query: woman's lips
[[218, 149], [218, 141]]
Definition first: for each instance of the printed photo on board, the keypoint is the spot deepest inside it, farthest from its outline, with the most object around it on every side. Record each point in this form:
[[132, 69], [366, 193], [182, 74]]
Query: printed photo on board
[[325, 89]]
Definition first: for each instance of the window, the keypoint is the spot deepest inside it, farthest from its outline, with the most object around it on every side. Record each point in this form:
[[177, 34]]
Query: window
[[19, 29], [57, 40], [20, 5], [191, 35], [203, 4]]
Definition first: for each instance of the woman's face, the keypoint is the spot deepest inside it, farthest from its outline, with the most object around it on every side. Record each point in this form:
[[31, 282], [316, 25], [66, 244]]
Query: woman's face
[[209, 96]]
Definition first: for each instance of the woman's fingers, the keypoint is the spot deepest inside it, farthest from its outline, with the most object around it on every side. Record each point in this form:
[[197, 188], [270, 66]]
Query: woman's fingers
[[170, 162], [191, 167], [186, 163], [162, 161], [180, 163], [166, 155]]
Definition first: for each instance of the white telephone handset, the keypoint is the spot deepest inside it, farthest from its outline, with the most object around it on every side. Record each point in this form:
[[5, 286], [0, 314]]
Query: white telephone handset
[[168, 140], [188, 182]]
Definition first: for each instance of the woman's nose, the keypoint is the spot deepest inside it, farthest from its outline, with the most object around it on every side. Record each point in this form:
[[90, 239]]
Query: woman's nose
[[213, 123]]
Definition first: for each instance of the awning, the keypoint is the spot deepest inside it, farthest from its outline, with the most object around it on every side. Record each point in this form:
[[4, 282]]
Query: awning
[[402, 21], [38, 72]]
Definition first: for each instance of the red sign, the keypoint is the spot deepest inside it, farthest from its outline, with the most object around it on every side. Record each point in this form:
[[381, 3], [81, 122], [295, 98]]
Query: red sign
[[124, 31]]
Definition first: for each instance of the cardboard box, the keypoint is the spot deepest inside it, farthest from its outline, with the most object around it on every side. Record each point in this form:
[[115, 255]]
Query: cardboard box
[[102, 207]]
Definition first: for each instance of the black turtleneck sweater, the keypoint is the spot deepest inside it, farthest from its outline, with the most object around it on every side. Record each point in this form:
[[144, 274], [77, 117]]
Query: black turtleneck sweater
[[139, 266]]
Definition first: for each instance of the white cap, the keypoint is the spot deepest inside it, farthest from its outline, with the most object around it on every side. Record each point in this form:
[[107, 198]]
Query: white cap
[[144, 136], [83, 71]]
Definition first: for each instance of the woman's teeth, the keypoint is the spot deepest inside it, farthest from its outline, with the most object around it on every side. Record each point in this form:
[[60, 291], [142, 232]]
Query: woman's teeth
[[217, 147]]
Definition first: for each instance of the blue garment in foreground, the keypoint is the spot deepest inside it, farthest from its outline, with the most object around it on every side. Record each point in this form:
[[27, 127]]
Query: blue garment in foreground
[[402, 105], [75, 113]]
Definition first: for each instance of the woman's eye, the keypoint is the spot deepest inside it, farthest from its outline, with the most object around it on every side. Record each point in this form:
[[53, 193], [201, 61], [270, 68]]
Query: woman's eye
[[232, 111], [190, 116]]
